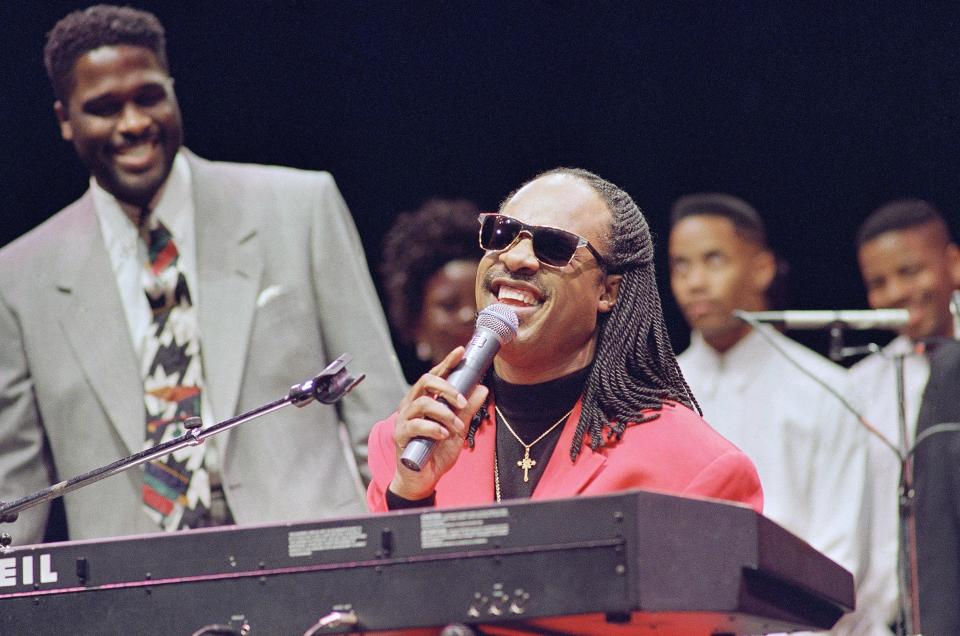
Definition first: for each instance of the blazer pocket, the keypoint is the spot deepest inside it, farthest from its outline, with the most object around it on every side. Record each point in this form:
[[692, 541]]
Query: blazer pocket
[[268, 294], [283, 310]]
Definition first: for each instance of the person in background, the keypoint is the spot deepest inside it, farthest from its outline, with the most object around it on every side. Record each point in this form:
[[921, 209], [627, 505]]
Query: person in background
[[810, 453], [908, 260], [177, 287], [428, 271]]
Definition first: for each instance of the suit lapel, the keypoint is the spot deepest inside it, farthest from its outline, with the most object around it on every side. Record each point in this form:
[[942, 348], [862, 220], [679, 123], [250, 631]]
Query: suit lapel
[[470, 481], [229, 267], [563, 478], [95, 326]]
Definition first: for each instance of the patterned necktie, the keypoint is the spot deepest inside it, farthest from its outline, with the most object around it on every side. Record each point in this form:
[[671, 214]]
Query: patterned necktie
[[176, 487]]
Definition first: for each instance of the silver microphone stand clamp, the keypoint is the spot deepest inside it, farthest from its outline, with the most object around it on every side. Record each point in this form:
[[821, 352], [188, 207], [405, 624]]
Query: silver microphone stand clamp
[[332, 384], [329, 386]]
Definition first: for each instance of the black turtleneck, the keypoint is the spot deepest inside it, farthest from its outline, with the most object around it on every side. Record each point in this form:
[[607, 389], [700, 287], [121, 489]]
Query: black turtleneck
[[531, 409]]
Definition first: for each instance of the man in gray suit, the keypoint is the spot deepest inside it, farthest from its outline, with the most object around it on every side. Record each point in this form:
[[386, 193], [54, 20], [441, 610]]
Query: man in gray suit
[[278, 287]]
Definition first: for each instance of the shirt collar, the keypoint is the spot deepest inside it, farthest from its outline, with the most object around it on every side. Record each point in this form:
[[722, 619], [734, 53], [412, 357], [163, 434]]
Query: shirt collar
[[902, 345], [173, 206], [542, 402], [734, 368]]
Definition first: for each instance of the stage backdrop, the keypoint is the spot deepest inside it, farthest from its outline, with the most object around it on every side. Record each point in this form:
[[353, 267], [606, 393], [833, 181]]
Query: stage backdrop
[[815, 112]]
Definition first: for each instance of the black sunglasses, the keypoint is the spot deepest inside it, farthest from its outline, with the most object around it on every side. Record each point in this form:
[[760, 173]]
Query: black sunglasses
[[551, 246]]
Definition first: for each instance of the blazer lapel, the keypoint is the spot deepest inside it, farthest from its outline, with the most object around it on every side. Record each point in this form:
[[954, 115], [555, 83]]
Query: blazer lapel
[[563, 478], [95, 326], [229, 267], [470, 481]]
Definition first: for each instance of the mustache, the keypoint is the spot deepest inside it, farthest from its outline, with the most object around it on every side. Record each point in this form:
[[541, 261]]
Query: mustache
[[132, 139], [522, 276]]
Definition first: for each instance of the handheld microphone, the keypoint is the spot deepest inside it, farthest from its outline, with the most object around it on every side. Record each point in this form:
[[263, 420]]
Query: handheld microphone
[[496, 326], [859, 319]]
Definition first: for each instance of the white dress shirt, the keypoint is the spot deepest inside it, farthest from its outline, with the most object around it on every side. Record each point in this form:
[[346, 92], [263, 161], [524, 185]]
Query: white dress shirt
[[875, 381], [809, 451]]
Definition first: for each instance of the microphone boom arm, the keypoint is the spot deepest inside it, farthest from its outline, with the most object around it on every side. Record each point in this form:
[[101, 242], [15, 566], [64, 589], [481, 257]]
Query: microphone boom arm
[[891, 319], [327, 387]]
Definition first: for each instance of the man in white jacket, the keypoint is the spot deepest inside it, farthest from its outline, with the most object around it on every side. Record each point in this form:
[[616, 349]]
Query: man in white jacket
[[810, 453], [908, 261]]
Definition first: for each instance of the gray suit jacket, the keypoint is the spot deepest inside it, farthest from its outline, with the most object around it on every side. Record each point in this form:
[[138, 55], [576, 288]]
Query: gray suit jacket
[[284, 289]]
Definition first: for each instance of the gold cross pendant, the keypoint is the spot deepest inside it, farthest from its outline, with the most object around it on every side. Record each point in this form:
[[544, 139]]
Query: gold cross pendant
[[526, 464]]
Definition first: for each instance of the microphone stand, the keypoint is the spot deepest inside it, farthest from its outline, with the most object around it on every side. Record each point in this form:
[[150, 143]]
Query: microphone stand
[[907, 532], [327, 387], [838, 352], [908, 586], [909, 621], [835, 351], [907, 568]]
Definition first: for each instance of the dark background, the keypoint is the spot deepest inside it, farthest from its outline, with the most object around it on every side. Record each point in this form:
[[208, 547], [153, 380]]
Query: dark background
[[815, 112]]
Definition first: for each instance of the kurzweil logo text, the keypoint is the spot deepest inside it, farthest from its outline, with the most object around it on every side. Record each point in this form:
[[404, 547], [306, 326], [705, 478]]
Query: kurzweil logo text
[[28, 573]]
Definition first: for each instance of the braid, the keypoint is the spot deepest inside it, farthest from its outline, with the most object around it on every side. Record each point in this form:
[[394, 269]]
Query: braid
[[635, 369], [481, 415]]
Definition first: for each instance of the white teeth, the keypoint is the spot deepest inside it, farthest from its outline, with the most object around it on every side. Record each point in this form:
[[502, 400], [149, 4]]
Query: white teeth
[[509, 293], [138, 150]]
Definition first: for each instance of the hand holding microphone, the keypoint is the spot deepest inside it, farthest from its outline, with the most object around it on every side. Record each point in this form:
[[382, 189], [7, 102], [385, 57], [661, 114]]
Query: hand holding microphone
[[427, 423]]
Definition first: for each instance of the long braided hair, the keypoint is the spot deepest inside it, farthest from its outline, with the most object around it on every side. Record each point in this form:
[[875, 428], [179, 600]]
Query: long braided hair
[[635, 369]]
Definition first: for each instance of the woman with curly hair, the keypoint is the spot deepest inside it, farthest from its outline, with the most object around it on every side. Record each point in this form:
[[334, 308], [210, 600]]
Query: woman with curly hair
[[428, 269]]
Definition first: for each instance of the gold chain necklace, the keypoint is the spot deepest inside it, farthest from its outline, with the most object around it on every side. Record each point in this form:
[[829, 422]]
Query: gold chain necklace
[[527, 462]]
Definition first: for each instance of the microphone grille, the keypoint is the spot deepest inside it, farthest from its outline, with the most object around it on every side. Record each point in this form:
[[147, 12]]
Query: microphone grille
[[501, 320]]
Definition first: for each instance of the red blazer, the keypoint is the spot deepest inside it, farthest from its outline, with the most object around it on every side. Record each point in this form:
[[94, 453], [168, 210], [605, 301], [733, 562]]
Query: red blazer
[[677, 453]]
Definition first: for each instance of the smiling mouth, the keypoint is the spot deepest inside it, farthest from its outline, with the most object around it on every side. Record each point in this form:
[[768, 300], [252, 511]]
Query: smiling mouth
[[517, 294], [511, 296], [136, 157]]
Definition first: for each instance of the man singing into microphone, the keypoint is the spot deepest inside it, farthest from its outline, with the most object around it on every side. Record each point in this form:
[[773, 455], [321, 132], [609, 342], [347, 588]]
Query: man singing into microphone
[[588, 397], [810, 453]]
